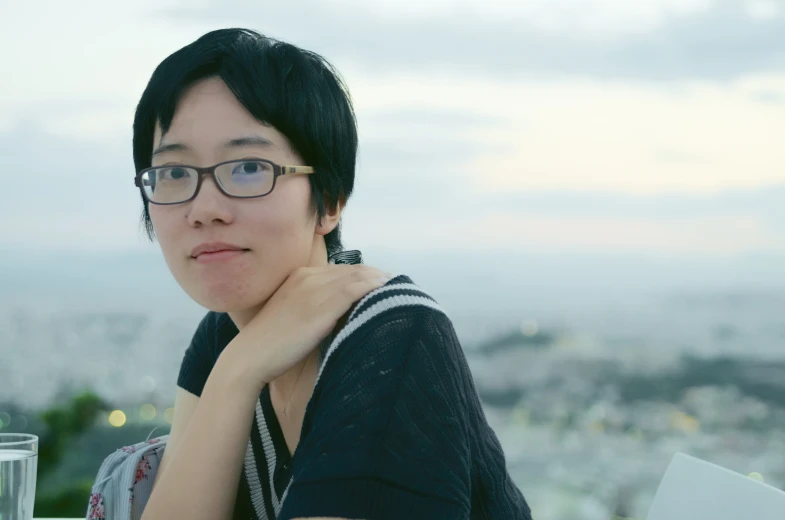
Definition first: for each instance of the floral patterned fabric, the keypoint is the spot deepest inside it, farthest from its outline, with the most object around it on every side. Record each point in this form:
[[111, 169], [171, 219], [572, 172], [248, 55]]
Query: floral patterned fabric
[[125, 481]]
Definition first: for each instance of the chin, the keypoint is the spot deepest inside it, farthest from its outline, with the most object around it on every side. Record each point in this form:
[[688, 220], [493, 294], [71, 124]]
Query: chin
[[222, 303], [222, 298]]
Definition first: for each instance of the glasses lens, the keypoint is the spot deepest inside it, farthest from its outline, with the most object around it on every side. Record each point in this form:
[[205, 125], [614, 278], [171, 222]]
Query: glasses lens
[[246, 178], [169, 184], [173, 184]]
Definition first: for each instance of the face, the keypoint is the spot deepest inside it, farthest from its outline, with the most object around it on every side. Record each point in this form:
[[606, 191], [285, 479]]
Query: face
[[278, 232]]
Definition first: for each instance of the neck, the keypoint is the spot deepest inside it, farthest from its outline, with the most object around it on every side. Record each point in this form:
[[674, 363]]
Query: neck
[[287, 389], [284, 384]]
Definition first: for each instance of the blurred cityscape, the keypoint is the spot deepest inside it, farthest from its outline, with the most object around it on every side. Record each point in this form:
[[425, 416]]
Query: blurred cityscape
[[589, 416]]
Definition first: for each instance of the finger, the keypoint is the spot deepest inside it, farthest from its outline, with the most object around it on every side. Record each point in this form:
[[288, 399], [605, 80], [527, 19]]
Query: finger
[[362, 273], [337, 274], [368, 271], [318, 276], [345, 291]]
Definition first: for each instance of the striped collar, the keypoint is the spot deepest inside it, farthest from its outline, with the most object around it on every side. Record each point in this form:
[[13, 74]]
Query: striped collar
[[346, 257], [395, 294]]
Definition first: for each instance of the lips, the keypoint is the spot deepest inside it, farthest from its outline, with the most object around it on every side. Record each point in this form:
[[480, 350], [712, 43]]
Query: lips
[[214, 247]]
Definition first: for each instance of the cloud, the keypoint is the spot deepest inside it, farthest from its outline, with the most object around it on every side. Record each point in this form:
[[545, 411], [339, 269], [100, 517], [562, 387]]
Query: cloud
[[472, 141], [78, 196], [731, 222], [411, 151], [647, 40], [767, 202], [575, 135], [428, 117], [87, 54], [518, 231], [416, 187], [66, 192]]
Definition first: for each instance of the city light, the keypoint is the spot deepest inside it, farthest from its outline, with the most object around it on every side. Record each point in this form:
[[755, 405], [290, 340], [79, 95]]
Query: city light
[[684, 422], [147, 412], [529, 328], [117, 418]]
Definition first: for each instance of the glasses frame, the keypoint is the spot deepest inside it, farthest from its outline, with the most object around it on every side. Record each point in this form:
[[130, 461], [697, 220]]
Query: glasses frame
[[278, 171]]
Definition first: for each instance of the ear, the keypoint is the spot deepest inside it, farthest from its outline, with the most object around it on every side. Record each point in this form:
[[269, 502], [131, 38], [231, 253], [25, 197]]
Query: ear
[[331, 218]]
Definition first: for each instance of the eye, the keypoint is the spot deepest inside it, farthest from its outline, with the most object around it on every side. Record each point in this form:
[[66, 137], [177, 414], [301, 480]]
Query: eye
[[251, 168], [173, 173]]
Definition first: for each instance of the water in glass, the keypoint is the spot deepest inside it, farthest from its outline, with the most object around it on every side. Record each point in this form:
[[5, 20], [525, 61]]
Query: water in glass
[[17, 484]]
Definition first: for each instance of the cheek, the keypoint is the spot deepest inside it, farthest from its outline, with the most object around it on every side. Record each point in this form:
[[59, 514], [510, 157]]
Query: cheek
[[156, 219], [163, 225], [284, 226], [289, 214]]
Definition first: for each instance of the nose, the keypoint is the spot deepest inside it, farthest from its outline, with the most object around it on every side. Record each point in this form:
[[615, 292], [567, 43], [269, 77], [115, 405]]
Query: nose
[[210, 205]]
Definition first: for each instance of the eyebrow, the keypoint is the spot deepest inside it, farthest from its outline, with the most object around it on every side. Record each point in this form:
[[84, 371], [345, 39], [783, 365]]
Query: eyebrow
[[240, 142]]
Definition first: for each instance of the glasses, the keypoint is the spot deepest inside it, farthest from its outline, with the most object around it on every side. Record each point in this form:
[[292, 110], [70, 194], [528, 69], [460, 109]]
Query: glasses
[[242, 179]]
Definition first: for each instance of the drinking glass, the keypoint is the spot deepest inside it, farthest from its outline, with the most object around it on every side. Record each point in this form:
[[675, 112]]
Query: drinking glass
[[18, 469]]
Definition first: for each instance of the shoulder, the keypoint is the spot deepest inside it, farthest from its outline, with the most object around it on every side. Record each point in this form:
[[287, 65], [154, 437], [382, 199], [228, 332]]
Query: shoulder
[[397, 361], [393, 318], [214, 332], [214, 323]]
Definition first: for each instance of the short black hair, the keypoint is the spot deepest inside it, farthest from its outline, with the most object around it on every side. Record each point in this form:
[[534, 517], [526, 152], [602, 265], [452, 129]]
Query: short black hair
[[296, 91]]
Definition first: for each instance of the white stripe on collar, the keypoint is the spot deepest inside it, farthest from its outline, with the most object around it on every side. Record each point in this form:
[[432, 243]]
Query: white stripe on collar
[[392, 302]]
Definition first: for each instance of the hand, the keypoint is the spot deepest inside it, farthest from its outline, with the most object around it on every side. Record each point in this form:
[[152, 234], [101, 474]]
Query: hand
[[300, 314]]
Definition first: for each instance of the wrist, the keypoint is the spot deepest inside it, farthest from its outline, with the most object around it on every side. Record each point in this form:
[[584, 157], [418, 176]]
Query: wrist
[[239, 370]]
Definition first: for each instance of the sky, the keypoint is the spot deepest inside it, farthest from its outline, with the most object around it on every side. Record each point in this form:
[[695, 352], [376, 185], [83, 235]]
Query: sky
[[652, 128]]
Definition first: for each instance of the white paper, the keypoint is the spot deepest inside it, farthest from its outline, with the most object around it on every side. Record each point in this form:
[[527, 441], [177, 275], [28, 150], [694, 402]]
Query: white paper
[[694, 489]]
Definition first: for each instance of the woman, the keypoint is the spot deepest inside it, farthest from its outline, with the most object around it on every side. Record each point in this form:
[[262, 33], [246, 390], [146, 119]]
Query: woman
[[316, 387]]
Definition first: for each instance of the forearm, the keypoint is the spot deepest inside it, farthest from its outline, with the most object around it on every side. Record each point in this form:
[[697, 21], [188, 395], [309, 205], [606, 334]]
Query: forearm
[[201, 480]]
